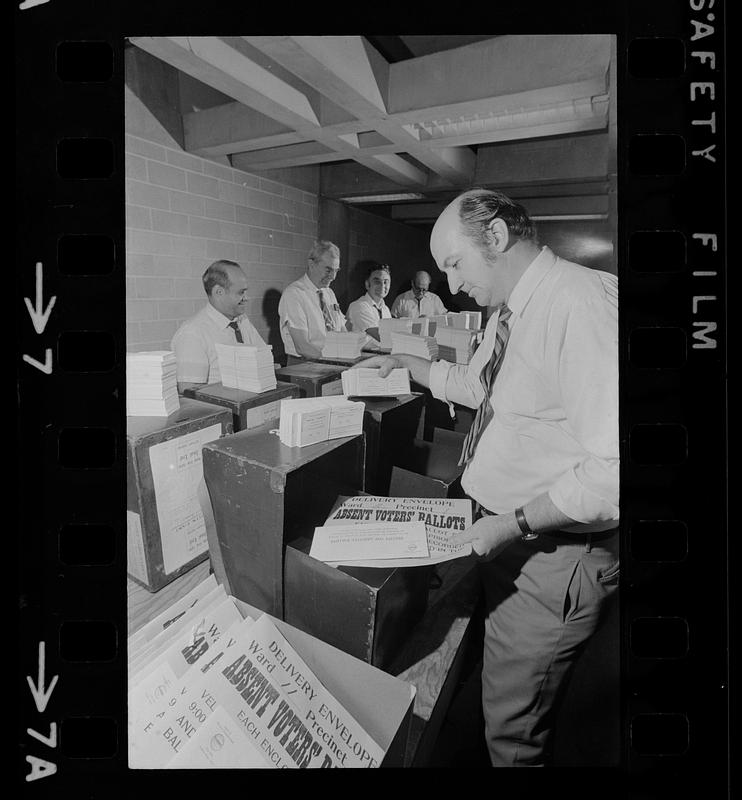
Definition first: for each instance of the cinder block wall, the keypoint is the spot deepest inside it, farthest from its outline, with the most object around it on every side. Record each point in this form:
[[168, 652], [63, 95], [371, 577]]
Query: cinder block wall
[[182, 213]]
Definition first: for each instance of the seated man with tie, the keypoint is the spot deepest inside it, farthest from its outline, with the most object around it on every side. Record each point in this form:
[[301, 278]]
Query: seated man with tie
[[221, 320], [418, 301], [308, 307], [364, 314], [541, 460]]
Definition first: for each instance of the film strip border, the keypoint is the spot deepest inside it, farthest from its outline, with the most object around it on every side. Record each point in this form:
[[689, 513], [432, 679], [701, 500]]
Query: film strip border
[[670, 193]]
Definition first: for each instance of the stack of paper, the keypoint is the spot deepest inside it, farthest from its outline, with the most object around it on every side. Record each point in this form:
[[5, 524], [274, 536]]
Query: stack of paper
[[374, 531], [342, 344], [214, 690], [386, 326], [457, 345], [424, 326], [151, 384], [424, 346], [315, 419], [441, 321], [466, 320], [247, 367], [364, 382]]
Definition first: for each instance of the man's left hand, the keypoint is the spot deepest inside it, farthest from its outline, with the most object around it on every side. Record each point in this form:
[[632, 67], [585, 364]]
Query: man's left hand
[[489, 535]]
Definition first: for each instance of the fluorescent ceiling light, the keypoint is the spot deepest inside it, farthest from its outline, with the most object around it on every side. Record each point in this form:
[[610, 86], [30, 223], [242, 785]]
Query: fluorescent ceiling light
[[383, 198]]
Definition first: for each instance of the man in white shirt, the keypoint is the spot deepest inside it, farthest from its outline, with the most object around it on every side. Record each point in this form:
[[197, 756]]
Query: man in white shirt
[[364, 314], [418, 301], [308, 307], [222, 320], [542, 457]]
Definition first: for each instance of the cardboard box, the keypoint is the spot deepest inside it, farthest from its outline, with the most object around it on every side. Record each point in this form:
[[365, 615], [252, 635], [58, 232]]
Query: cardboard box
[[154, 561], [390, 425], [249, 410], [430, 469], [313, 380], [368, 612], [380, 703], [264, 496]]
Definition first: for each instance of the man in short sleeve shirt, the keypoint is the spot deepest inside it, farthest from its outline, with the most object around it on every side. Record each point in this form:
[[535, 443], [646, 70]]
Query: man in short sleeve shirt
[[419, 301], [222, 319], [308, 307], [541, 460], [365, 312]]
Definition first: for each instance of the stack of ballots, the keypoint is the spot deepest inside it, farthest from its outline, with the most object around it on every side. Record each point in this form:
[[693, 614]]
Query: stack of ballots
[[342, 344], [365, 382], [212, 687], [457, 344], [151, 384], [424, 346], [466, 320], [386, 326], [247, 367], [309, 420]]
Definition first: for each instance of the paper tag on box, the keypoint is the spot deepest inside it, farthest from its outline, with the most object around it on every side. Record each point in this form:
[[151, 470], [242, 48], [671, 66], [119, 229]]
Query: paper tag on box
[[332, 388], [255, 417]]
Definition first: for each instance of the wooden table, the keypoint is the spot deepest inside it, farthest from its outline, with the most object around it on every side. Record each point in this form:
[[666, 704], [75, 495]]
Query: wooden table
[[144, 606]]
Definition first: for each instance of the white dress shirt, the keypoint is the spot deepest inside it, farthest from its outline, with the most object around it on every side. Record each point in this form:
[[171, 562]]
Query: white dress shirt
[[555, 399], [193, 344], [299, 308], [364, 313], [406, 305]]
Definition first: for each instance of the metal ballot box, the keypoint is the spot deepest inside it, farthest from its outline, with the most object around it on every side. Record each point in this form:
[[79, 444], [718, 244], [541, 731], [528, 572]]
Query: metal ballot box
[[390, 425], [313, 380], [249, 410], [168, 511], [368, 612], [264, 496]]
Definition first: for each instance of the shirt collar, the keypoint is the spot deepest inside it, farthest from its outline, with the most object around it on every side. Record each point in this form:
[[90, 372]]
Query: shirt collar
[[306, 281], [219, 318], [373, 302], [530, 279]]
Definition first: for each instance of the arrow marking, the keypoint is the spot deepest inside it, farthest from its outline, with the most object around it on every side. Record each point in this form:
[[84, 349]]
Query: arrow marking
[[46, 367], [39, 317], [40, 694]]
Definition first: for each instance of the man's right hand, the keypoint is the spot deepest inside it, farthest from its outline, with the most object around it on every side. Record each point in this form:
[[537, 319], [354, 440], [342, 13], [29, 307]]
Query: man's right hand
[[385, 364]]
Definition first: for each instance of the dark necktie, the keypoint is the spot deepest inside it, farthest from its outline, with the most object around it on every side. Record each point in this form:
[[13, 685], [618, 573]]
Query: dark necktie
[[487, 377], [329, 322], [378, 309], [235, 326]]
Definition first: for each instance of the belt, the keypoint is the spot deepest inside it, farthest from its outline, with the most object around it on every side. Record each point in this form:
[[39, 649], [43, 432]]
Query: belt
[[589, 538]]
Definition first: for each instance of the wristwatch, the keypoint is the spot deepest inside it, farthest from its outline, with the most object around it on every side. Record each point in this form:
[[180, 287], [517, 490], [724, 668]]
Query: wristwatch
[[525, 528]]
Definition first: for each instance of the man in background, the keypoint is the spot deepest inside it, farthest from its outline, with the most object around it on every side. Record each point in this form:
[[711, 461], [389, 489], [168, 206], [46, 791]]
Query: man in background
[[308, 307], [223, 319], [419, 301], [364, 314]]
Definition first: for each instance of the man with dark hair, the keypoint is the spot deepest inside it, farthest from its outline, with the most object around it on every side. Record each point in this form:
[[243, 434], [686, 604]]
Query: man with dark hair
[[365, 312], [541, 458], [419, 301], [223, 319], [308, 307]]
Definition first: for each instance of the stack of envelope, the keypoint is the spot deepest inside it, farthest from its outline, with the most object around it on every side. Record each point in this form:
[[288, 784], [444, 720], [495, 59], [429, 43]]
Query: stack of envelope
[[365, 382], [309, 420], [466, 320], [151, 384], [386, 326], [457, 345], [343, 344], [247, 367], [424, 346]]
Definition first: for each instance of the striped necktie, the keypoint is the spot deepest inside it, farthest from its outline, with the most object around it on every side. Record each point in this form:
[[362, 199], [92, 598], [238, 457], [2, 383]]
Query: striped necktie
[[235, 326], [329, 321], [487, 377]]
